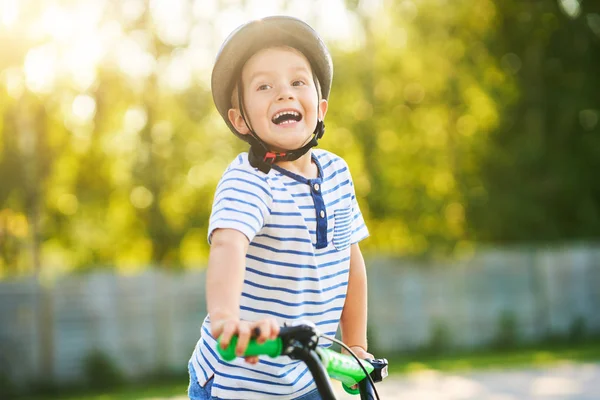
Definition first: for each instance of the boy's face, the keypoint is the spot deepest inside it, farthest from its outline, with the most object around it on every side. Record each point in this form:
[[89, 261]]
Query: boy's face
[[280, 99]]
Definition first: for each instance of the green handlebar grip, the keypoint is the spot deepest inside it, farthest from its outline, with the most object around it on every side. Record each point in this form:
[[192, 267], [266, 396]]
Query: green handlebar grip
[[270, 348], [344, 368], [349, 390]]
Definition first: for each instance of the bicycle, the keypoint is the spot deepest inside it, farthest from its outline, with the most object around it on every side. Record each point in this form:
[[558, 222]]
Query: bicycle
[[300, 342]]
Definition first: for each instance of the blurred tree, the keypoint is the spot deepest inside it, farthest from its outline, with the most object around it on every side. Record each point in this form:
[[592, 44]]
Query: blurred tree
[[463, 123], [541, 164], [418, 105]]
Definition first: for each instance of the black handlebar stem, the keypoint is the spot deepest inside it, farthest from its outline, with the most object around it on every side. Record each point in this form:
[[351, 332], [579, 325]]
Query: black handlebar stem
[[318, 371], [299, 336], [300, 343], [366, 390]]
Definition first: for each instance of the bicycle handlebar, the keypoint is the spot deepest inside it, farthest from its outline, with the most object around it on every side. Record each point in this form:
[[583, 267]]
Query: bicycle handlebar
[[342, 367], [271, 348], [300, 342]]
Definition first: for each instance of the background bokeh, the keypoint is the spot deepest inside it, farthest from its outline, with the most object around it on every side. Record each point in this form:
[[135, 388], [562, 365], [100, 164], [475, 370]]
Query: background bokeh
[[467, 125], [463, 123]]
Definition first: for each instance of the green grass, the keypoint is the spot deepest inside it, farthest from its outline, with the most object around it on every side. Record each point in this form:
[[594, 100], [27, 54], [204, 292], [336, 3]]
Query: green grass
[[538, 356], [530, 357], [156, 390]]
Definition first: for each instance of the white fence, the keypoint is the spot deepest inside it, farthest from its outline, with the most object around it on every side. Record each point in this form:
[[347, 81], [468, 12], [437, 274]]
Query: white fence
[[150, 322], [537, 292]]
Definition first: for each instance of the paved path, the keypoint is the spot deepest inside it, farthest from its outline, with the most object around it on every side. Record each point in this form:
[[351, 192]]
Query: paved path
[[565, 381]]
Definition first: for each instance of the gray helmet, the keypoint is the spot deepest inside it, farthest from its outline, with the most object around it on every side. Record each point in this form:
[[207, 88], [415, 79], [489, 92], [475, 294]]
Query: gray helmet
[[249, 38]]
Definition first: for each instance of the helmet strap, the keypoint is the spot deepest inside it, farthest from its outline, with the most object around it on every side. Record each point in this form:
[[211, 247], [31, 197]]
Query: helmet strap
[[263, 159]]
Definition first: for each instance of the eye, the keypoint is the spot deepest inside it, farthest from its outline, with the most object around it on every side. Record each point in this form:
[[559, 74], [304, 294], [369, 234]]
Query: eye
[[263, 87], [298, 83]]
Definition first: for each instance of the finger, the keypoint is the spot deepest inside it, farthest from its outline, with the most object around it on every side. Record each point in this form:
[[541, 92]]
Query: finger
[[216, 328], [228, 330], [265, 328], [251, 359], [243, 339], [274, 329]]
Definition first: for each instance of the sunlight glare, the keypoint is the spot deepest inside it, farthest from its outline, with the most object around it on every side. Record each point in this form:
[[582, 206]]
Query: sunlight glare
[[9, 12], [336, 23], [172, 20], [330, 18], [41, 68], [135, 119], [370, 7], [262, 8], [571, 7], [58, 23], [133, 59], [13, 82], [176, 73], [228, 20], [83, 108], [299, 9], [132, 10], [81, 60], [204, 9]]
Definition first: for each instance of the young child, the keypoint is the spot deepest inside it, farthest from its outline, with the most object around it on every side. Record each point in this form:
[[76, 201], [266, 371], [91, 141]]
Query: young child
[[285, 222]]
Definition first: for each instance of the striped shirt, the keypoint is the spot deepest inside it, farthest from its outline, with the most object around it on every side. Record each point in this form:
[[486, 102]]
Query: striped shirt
[[300, 231]]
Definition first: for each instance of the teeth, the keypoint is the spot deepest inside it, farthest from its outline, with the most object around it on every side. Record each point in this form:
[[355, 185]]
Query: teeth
[[279, 114]]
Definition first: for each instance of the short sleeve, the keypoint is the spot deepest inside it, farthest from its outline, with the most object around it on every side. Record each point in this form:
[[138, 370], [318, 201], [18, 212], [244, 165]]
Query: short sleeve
[[242, 202], [359, 229]]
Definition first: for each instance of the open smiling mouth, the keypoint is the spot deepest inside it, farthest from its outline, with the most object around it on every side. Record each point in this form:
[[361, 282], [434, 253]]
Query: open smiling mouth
[[286, 117]]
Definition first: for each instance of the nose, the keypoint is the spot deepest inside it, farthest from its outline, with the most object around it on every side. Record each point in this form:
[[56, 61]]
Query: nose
[[285, 94]]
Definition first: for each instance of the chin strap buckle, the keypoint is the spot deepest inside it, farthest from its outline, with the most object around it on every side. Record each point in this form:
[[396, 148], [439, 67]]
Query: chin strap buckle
[[270, 157]]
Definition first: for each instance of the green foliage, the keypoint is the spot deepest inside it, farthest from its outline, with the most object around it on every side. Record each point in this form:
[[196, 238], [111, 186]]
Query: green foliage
[[7, 387], [506, 334], [441, 338], [537, 171], [101, 372], [578, 330], [475, 122]]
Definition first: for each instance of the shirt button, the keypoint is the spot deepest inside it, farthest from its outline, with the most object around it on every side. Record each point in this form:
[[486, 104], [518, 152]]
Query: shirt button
[[322, 214], [316, 187]]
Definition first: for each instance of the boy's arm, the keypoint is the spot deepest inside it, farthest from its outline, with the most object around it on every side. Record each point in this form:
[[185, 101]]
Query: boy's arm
[[224, 283], [225, 275], [353, 322]]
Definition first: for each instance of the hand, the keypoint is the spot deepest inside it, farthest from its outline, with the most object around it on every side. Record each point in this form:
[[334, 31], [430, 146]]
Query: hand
[[360, 353], [226, 328]]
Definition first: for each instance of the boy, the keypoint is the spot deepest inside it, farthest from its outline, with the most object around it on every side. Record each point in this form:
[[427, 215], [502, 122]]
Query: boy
[[285, 224]]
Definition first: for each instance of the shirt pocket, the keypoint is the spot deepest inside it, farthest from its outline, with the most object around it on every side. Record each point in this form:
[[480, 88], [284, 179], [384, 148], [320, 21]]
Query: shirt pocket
[[342, 229]]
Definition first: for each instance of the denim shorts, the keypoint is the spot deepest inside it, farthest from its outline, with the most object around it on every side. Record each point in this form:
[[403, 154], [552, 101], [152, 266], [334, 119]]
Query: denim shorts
[[197, 392]]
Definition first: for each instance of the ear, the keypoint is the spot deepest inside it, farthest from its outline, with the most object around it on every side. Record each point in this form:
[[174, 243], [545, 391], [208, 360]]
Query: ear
[[322, 109], [236, 119]]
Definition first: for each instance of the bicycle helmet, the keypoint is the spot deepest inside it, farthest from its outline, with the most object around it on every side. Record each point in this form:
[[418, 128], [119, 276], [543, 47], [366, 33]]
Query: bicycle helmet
[[242, 44]]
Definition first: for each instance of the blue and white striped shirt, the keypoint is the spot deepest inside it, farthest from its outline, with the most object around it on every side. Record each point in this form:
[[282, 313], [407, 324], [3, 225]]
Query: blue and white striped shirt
[[300, 231]]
